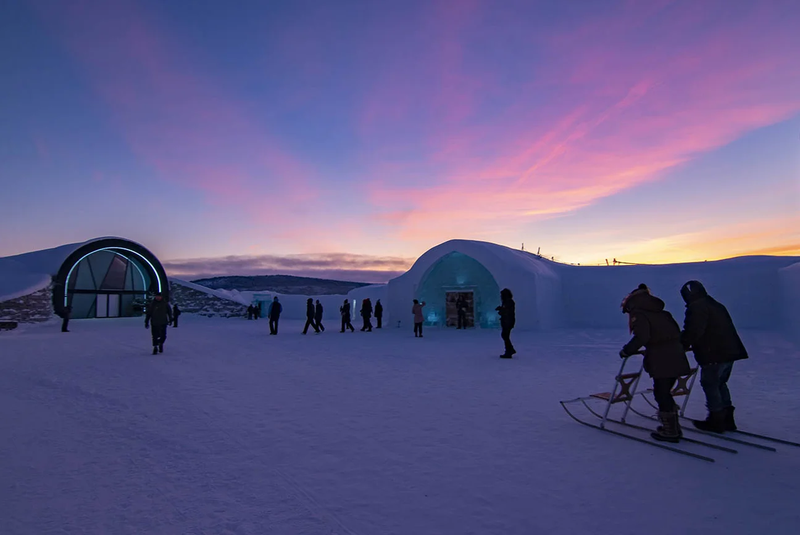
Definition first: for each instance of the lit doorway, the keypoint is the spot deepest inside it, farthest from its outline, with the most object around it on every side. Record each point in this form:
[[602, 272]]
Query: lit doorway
[[466, 299]]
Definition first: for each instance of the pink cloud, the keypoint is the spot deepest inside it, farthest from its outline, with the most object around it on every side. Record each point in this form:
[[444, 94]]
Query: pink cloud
[[636, 93]]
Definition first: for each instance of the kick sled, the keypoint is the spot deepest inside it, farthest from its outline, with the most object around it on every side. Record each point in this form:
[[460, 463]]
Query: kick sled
[[683, 387], [624, 392]]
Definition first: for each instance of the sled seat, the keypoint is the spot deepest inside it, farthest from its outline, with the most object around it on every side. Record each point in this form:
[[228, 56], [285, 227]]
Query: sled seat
[[625, 382], [682, 386]]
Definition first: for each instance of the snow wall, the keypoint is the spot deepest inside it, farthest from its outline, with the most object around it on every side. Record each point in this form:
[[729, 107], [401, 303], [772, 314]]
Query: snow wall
[[26, 273], [750, 287], [790, 291]]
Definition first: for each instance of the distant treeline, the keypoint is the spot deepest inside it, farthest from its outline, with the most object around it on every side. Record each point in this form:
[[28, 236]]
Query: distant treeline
[[284, 284]]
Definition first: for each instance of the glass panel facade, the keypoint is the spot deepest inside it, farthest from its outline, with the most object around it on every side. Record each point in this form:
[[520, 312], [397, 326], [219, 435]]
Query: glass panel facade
[[105, 273]]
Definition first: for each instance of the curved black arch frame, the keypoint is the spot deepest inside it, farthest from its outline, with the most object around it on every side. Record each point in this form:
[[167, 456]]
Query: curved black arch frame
[[117, 245]]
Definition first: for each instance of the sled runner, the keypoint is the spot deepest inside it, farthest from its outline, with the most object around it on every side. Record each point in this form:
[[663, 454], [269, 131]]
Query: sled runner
[[624, 390], [683, 387]]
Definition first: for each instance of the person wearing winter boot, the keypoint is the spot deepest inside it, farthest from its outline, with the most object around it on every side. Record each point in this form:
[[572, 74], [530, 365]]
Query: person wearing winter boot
[[157, 318], [310, 312], [709, 331], [664, 357], [416, 309], [274, 314], [175, 313], [379, 314], [318, 315], [344, 310], [366, 314], [508, 319]]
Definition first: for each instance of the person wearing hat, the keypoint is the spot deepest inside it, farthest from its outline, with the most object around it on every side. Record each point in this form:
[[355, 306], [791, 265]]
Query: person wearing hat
[[709, 331], [664, 357], [157, 318]]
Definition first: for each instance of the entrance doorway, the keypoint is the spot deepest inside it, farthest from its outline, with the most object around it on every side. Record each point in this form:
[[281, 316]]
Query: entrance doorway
[[108, 306], [467, 299]]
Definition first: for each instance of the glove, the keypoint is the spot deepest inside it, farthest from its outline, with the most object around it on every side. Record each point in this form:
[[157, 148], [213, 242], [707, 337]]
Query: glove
[[623, 354], [146, 325]]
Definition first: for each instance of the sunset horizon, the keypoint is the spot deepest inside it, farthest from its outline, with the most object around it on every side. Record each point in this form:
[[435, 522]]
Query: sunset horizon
[[361, 135]]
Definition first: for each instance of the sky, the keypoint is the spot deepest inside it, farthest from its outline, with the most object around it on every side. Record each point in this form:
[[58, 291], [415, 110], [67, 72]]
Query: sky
[[346, 138]]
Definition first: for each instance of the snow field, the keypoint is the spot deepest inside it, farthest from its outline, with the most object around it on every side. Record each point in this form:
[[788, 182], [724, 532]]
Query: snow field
[[233, 431]]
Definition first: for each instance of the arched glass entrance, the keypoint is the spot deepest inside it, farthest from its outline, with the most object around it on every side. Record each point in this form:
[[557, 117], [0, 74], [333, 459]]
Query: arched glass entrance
[[108, 278], [458, 277]]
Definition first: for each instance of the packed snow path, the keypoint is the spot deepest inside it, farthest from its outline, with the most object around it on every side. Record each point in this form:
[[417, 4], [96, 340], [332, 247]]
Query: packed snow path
[[233, 431]]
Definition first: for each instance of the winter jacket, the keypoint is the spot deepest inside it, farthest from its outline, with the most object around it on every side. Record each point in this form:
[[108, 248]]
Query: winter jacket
[[508, 313], [274, 311], [345, 310], [417, 311], [158, 313], [310, 311], [318, 312], [366, 308], [656, 330], [378, 310], [708, 329]]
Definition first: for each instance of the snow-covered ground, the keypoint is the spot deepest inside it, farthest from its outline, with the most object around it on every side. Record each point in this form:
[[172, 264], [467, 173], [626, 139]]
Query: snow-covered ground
[[232, 431]]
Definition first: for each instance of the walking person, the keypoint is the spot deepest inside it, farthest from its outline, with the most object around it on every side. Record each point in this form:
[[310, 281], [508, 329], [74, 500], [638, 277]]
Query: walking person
[[310, 312], [274, 313], [175, 313], [157, 318], [318, 315], [508, 319], [345, 311], [249, 312], [664, 357], [461, 309], [256, 311], [416, 310], [379, 313], [709, 331], [65, 319], [366, 314]]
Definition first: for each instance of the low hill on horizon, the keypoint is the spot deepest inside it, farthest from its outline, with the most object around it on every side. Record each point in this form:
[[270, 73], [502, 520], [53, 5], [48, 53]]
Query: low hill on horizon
[[284, 284]]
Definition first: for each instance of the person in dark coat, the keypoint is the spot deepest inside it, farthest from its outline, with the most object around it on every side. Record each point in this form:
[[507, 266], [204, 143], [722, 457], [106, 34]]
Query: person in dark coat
[[508, 319], [65, 314], [345, 311], [310, 312], [419, 317], [709, 331], [175, 313], [249, 312], [274, 314], [379, 313], [318, 316], [157, 318], [461, 310], [256, 311], [664, 356], [366, 314]]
